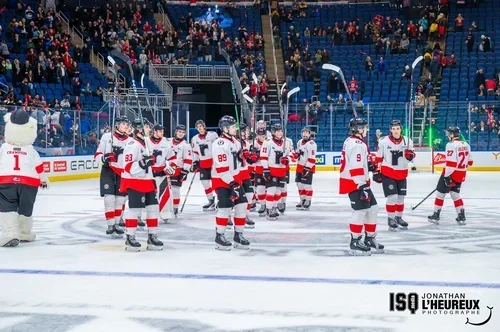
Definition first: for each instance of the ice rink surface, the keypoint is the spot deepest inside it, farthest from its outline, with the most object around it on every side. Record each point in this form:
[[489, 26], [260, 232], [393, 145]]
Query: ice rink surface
[[296, 277]]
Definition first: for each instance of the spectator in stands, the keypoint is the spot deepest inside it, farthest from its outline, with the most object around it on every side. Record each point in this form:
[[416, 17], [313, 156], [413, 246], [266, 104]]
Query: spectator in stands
[[404, 44], [419, 104], [4, 50], [382, 68], [407, 74], [479, 79], [353, 86], [485, 45], [459, 23], [435, 68], [376, 139], [369, 67], [469, 41], [482, 128], [491, 86]]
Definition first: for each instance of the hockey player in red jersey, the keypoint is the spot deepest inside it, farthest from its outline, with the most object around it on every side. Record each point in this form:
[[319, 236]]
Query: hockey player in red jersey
[[227, 183], [260, 183], [110, 152], [163, 167], [306, 167], [274, 157], [244, 157], [138, 181], [21, 173], [354, 181], [184, 161], [458, 160], [202, 160], [393, 154]]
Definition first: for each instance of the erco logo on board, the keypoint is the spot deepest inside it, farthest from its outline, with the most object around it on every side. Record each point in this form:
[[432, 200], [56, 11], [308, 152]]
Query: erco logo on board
[[78, 165]]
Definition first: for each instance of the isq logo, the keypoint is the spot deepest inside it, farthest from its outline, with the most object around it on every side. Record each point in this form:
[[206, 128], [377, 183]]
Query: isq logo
[[320, 159]]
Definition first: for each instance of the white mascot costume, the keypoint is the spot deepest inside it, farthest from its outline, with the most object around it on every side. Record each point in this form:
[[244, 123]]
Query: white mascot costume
[[21, 174]]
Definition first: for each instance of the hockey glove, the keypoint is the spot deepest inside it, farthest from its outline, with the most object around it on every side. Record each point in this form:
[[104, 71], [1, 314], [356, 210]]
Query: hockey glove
[[447, 181], [409, 155], [169, 170], [43, 185], [267, 175], [158, 174], [146, 162], [117, 151], [195, 166], [252, 158], [305, 172], [295, 155], [284, 161], [364, 190], [234, 188], [377, 177], [244, 154], [184, 175], [108, 158]]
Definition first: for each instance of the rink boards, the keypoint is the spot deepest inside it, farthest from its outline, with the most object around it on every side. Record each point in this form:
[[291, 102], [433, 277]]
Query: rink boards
[[67, 168]]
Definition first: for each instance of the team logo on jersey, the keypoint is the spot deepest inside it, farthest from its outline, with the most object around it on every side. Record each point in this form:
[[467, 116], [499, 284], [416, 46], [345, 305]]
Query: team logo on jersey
[[143, 199], [391, 186], [106, 186], [321, 159], [221, 142]]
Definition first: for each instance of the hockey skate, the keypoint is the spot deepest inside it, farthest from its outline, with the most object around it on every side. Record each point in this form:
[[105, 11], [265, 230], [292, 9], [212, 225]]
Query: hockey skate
[[249, 223], [121, 223], [230, 223], [393, 225], [154, 243], [372, 243], [306, 205], [132, 244], [240, 242], [358, 248], [461, 218], [210, 206], [221, 243], [435, 217], [140, 223], [114, 232], [176, 211], [272, 214], [300, 205], [282, 207], [254, 207], [262, 210], [401, 223]]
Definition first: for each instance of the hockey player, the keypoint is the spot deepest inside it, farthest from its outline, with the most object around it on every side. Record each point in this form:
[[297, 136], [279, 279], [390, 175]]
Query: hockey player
[[244, 158], [137, 180], [306, 167], [274, 159], [458, 160], [163, 167], [184, 161], [354, 181], [110, 152], [260, 183], [227, 183], [393, 154], [202, 160], [21, 173], [284, 191]]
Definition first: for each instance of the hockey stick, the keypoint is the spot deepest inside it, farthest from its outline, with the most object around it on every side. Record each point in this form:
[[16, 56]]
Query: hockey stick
[[189, 189], [416, 206]]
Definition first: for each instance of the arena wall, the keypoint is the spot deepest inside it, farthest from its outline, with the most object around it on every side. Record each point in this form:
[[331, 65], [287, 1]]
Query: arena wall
[[67, 168]]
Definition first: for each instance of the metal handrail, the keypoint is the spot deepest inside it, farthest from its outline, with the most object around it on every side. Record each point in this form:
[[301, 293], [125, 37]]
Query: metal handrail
[[278, 88], [166, 20], [192, 72]]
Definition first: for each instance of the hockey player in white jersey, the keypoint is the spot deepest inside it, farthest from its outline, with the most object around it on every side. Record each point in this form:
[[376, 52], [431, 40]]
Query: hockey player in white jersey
[[163, 167], [355, 181], [284, 192], [306, 167], [228, 185], [138, 181], [184, 161], [202, 160], [274, 157], [458, 160], [260, 183], [21, 174], [110, 152], [244, 158], [393, 154]]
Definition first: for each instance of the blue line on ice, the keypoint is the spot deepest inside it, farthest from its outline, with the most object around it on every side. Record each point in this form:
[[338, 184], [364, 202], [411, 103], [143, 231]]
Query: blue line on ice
[[254, 278]]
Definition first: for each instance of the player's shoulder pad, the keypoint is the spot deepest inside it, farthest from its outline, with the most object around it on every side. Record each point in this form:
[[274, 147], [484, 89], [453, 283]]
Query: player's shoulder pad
[[131, 142]]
